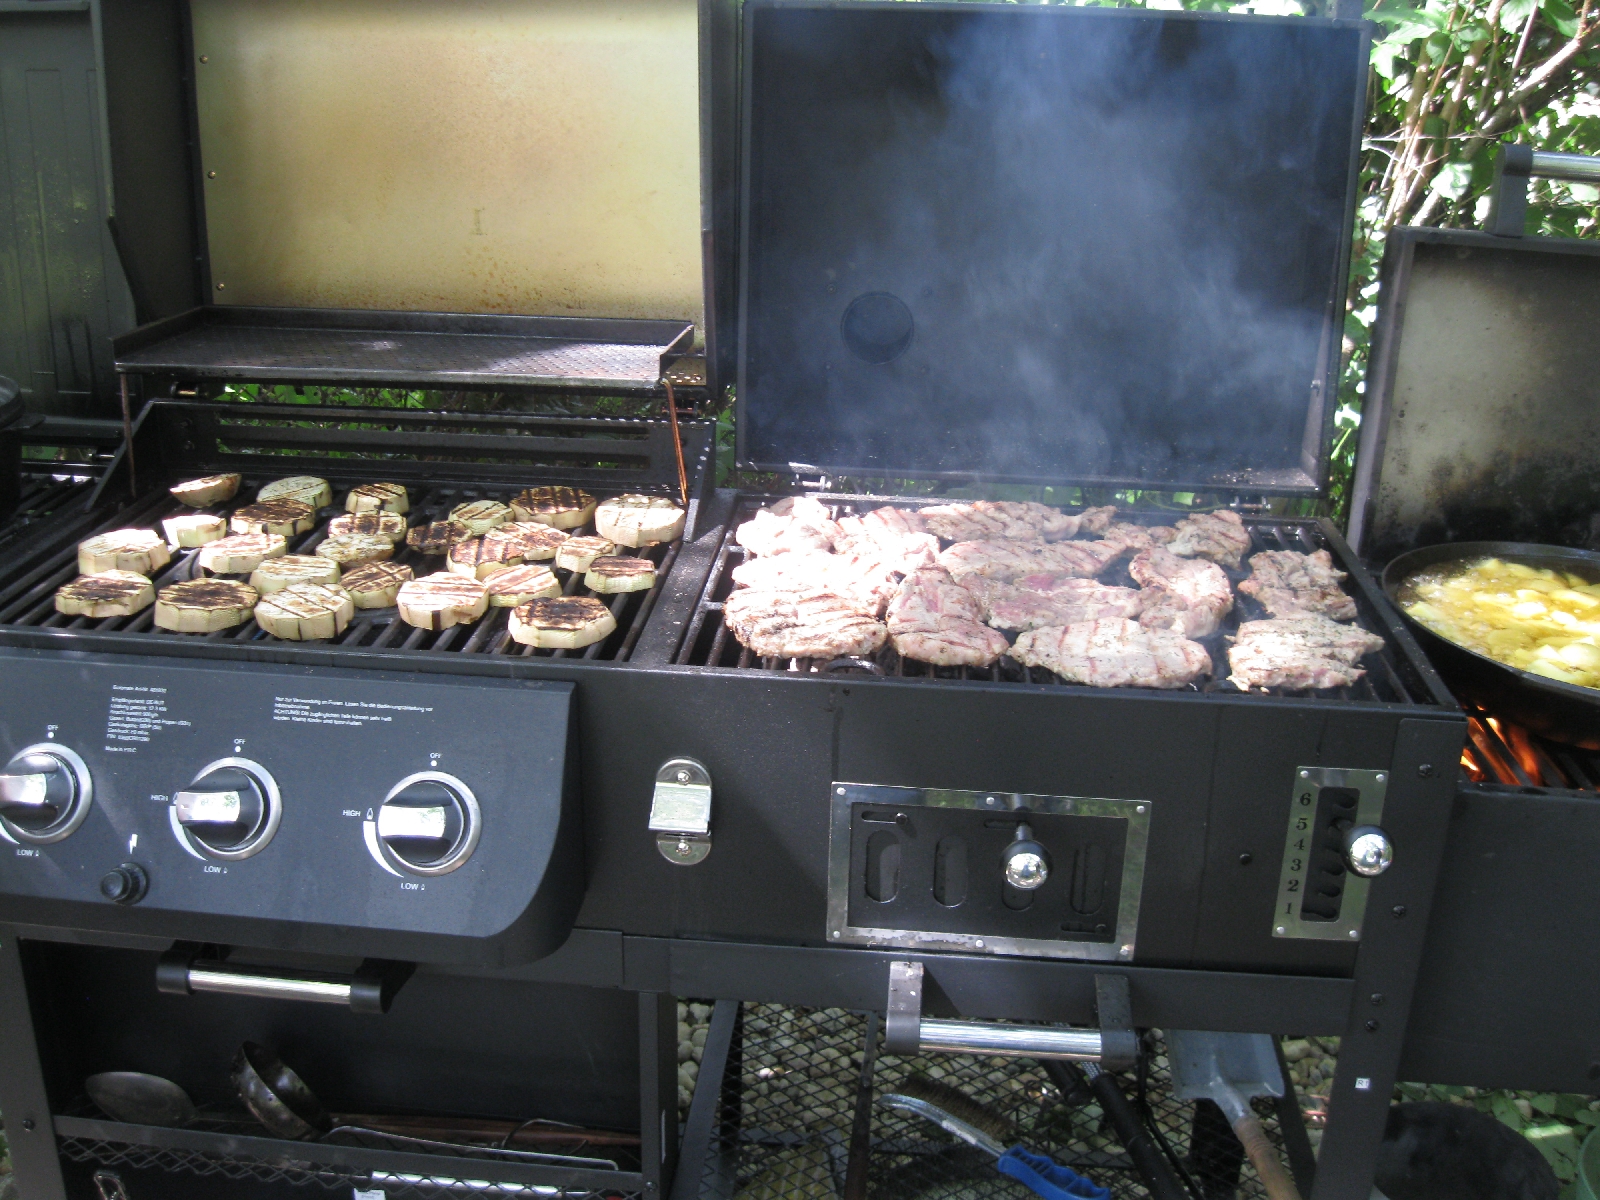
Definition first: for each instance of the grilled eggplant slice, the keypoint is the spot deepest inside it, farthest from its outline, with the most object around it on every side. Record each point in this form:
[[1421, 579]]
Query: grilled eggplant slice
[[108, 594], [558, 507], [377, 497], [286, 517], [437, 538], [275, 574], [518, 585], [306, 612], [193, 529], [389, 525], [441, 600], [616, 574], [213, 489], [575, 554], [376, 584], [638, 520], [205, 605], [539, 542], [561, 623], [353, 549], [307, 489], [480, 516], [136, 550], [241, 553], [479, 558]]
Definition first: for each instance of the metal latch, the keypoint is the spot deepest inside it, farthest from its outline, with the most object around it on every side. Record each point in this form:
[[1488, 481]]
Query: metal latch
[[1113, 1046], [680, 811]]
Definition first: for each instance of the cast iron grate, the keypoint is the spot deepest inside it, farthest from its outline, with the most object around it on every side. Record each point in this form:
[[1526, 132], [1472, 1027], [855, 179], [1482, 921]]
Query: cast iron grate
[[1504, 753], [789, 1094], [1389, 677], [28, 601]]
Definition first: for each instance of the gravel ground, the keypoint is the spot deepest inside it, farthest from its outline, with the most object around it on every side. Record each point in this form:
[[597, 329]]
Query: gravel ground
[[694, 1022]]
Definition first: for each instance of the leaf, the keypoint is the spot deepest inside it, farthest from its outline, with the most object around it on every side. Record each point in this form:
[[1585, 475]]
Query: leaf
[[1506, 1112], [1559, 13], [1514, 12], [1452, 182], [1544, 1102], [1584, 1117]]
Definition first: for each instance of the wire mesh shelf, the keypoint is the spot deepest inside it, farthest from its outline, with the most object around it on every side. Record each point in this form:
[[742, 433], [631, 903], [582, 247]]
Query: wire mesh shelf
[[790, 1089]]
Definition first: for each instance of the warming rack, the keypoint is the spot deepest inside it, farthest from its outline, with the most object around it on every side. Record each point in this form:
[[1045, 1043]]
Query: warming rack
[[431, 350]]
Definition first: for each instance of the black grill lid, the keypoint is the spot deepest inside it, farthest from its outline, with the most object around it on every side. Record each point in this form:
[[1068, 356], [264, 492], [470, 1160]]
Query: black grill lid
[[1481, 419], [1045, 244]]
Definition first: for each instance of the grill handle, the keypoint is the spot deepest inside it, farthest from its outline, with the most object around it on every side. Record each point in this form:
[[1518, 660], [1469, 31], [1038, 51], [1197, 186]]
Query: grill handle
[[187, 969], [1508, 203], [1114, 1046]]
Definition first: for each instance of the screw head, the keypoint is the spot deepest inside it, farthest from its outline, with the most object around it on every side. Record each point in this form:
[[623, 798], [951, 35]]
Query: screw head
[[211, 174], [683, 777], [838, 791], [1305, 774], [220, 286], [1376, 999], [835, 933], [27, 1123], [1380, 777], [1372, 1027], [1245, 860], [1280, 930], [980, 943], [205, 58], [1425, 771], [1399, 910], [1125, 952], [1355, 933], [1139, 808]]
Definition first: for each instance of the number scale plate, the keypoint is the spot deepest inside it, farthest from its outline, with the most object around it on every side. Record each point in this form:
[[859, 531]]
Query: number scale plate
[[1288, 921]]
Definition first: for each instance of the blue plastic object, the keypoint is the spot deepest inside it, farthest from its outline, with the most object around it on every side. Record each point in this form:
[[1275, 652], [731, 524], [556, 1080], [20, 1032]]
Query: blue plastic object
[[1047, 1177]]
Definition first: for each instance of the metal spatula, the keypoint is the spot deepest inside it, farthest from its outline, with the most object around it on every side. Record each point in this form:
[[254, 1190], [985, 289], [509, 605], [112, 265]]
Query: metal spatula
[[1230, 1069]]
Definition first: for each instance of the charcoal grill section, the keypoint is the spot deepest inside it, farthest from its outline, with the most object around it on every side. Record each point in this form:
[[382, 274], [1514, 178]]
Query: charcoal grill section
[[927, 869], [1393, 674], [328, 751]]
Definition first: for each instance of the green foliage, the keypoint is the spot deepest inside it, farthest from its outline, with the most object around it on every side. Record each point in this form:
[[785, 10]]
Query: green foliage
[[1556, 1123]]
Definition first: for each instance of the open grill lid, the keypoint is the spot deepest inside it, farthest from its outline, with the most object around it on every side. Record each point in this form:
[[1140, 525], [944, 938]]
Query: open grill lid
[[1061, 245], [1481, 419]]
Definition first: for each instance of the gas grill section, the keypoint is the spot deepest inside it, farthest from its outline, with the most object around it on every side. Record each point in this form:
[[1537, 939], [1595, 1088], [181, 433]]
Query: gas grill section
[[444, 459], [1391, 678], [30, 601]]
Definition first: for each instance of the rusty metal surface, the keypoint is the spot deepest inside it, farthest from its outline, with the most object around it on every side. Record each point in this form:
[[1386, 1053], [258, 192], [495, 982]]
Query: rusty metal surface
[[1483, 409], [482, 156]]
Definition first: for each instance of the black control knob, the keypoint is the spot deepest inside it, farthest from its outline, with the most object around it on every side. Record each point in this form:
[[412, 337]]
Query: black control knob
[[428, 825], [126, 884], [230, 811], [44, 794]]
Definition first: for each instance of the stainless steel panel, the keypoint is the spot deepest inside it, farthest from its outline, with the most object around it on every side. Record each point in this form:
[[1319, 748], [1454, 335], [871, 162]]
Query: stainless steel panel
[[510, 156]]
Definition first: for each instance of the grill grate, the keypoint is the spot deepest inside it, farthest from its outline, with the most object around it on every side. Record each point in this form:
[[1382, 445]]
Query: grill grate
[[1389, 678], [1501, 752], [29, 600], [789, 1094]]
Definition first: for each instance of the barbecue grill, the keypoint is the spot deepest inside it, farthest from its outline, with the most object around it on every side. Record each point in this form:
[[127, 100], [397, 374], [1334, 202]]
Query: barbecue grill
[[663, 815], [1506, 977]]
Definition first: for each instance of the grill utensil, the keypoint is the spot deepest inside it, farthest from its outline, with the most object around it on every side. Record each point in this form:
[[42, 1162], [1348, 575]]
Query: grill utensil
[[1231, 1069]]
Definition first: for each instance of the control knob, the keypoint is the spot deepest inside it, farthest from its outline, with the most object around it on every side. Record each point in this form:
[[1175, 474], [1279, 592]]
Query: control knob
[[45, 792], [126, 884], [1027, 863], [1368, 850], [428, 824], [230, 811]]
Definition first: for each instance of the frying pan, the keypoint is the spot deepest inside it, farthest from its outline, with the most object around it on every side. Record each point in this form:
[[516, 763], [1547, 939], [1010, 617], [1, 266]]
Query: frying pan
[[1563, 712]]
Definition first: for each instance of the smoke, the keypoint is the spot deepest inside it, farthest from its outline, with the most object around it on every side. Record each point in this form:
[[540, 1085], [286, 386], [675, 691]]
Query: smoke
[[1116, 235]]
